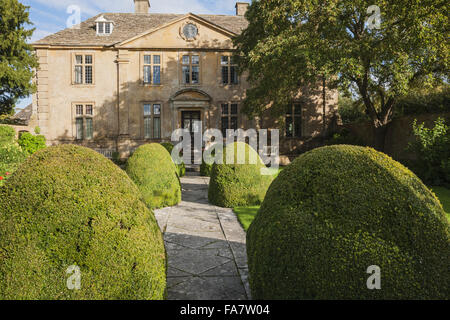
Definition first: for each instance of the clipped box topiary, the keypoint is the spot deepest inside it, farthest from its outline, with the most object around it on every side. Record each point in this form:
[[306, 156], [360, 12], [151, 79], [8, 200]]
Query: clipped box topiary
[[181, 168], [205, 169], [152, 169], [336, 211], [234, 184], [68, 207]]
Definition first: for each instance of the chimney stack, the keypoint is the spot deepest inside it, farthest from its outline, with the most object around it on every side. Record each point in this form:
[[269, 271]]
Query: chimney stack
[[241, 8], [141, 6]]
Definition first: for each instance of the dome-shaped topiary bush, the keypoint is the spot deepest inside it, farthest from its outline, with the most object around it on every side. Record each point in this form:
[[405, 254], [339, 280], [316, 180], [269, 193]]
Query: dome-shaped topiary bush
[[181, 168], [152, 169], [336, 211], [205, 169], [69, 206], [236, 184]]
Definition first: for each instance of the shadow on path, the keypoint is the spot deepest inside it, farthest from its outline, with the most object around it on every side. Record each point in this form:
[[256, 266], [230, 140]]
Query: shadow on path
[[205, 247]]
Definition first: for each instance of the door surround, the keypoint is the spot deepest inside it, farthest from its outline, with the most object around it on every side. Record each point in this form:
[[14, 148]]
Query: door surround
[[190, 100]]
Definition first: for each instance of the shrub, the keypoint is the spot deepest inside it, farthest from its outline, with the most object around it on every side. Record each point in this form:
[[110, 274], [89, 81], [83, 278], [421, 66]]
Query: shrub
[[432, 148], [7, 135], [234, 185], [181, 168], [31, 143], [424, 100], [152, 169], [205, 168], [69, 205], [351, 110], [11, 156], [334, 212], [344, 136]]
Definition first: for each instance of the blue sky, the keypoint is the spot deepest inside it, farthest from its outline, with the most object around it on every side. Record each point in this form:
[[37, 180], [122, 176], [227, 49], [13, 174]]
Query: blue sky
[[50, 16]]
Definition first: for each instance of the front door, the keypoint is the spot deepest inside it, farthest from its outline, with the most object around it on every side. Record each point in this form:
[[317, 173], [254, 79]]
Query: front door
[[189, 120]]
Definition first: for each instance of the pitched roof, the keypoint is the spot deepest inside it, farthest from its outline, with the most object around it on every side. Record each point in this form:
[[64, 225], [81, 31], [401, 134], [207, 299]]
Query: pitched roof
[[128, 25], [24, 115]]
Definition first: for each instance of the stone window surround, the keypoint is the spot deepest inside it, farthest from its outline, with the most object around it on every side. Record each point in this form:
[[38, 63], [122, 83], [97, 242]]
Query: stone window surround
[[73, 64], [141, 68], [200, 65], [84, 116], [219, 63], [229, 115], [161, 117], [293, 115]]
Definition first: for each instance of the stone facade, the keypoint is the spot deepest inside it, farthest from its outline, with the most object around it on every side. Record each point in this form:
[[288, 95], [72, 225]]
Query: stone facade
[[117, 93]]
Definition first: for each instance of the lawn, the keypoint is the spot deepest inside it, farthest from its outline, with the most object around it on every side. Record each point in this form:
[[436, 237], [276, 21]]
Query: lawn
[[247, 214]]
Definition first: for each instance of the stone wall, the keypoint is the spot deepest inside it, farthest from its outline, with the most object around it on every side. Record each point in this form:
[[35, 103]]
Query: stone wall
[[399, 133]]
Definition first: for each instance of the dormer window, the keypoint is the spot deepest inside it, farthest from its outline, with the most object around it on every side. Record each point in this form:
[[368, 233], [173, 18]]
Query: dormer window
[[104, 27]]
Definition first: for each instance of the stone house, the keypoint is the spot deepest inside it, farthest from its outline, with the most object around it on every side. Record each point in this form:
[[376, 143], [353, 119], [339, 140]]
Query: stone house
[[119, 80]]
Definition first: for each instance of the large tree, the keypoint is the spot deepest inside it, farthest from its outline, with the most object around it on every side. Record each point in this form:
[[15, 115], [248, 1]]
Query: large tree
[[292, 43], [17, 61]]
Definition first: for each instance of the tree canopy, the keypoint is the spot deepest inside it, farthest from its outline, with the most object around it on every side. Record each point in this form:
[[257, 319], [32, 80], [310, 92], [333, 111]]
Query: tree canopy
[[17, 61], [292, 43]]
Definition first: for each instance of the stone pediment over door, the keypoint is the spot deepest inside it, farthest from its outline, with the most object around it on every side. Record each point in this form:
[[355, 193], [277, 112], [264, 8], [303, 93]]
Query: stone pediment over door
[[188, 32], [190, 98]]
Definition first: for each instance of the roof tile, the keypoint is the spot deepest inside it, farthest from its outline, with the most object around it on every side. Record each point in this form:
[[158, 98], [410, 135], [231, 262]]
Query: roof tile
[[128, 25]]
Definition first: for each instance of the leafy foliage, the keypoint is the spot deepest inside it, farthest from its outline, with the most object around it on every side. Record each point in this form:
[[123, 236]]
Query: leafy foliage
[[152, 169], [205, 169], [11, 155], [334, 212], [420, 101], [31, 143], [16, 58], [344, 136], [7, 135], [311, 41], [69, 205], [351, 111], [233, 185], [432, 148]]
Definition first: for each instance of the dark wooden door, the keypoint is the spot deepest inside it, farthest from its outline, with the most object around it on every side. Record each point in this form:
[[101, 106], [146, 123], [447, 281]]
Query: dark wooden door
[[188, 119]]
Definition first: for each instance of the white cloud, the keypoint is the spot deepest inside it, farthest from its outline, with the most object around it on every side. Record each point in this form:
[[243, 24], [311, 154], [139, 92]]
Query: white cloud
[[39, 34]]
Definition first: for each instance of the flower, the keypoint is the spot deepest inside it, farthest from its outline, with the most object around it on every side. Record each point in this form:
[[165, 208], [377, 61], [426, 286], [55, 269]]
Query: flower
[[8, 173], [1, 178]]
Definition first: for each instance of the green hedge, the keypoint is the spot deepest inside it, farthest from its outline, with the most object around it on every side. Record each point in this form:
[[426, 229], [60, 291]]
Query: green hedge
[[11, 156], [181, 168], [7, 135], [334, 212], [69, 205], [31, 143], [205, 169], [152, 169], [234, 185]]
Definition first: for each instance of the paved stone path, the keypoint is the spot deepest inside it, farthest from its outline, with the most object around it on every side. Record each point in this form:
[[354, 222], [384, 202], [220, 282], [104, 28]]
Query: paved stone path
[[205, 247]]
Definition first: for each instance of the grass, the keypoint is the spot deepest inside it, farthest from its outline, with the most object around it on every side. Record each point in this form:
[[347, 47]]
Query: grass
[[246, 215], [444, 196]]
